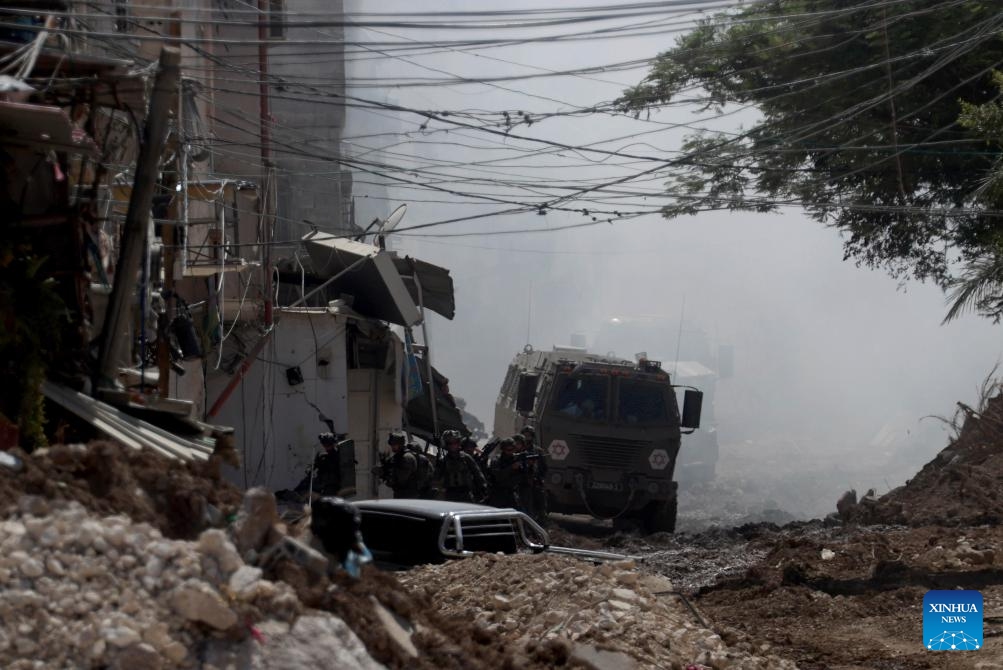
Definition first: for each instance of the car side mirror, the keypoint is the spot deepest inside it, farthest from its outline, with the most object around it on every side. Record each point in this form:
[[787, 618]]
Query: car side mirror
[[526, 396], [692, 405]]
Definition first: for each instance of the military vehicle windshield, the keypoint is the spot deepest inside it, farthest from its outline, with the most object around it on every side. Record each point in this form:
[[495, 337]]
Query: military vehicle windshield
[[585, 397], [582, 396], [641, 402]]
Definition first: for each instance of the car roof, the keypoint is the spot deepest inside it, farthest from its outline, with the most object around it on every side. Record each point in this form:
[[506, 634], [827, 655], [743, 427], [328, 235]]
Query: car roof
[[415, 506]]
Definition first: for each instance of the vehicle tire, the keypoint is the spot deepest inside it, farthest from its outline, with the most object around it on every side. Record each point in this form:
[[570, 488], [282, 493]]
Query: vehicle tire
[[660, 516]]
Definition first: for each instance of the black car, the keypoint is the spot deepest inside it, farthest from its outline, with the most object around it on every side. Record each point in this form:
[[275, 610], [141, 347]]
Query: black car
[[412, 532]]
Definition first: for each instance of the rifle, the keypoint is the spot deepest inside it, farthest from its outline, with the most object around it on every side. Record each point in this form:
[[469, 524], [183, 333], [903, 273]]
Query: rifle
[[525, 458], [385, 469], [488, 448]]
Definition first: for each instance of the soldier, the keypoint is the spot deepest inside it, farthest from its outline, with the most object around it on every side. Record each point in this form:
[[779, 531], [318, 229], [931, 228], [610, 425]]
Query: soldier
[[539, 478], [403, 468], [504, 472], [461, 479], [326, 470], [469, 446]]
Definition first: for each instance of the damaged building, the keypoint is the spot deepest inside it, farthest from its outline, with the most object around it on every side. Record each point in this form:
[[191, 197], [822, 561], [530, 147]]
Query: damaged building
[[193, 276]]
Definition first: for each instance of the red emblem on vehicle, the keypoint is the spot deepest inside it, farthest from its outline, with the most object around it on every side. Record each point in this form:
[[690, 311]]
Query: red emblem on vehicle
[[659, 459], [558, 450]]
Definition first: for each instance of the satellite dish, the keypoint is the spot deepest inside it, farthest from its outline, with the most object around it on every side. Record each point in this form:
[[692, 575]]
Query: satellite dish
[[392, 220], [389, 224], [386, 226]]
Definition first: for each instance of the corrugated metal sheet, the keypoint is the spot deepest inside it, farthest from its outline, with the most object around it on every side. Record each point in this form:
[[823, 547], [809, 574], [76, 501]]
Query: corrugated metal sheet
[[128, 430]]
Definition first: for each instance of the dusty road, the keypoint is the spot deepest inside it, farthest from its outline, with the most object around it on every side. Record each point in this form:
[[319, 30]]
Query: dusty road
[[781, 591]]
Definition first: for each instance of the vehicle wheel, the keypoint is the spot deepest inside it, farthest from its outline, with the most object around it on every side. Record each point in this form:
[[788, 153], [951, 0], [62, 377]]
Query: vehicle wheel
[[660, 517]]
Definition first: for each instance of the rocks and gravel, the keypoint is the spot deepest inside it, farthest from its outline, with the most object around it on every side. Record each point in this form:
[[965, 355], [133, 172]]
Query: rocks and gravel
[[117, 559], [609, 611], [80, 590]]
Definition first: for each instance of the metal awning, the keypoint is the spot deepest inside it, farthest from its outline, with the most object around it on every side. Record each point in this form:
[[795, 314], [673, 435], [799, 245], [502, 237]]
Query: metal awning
[[418, 412], [436, 284], [377, 287]]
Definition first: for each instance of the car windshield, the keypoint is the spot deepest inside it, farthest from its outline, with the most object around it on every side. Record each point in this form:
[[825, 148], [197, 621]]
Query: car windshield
[[582, 396], [641, 402]]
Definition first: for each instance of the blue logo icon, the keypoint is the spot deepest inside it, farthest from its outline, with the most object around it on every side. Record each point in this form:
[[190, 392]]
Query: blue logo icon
[[952, 620]]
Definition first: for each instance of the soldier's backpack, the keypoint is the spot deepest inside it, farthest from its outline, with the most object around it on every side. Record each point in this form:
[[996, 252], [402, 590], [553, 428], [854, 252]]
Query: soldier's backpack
[[424, 473]]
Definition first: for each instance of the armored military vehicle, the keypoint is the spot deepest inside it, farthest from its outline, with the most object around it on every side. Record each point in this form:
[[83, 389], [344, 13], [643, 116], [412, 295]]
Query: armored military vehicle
[[692, 361], [609, 428]]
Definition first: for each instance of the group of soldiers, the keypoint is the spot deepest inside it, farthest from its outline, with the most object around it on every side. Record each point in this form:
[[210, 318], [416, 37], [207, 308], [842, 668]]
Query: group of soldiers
[[514, 477]]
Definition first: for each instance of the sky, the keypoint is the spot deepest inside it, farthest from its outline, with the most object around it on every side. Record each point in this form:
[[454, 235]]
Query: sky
[[824, 350]]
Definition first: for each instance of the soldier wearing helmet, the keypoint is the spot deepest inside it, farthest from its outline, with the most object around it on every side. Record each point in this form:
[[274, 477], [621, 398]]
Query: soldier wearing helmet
[[324, 478], [462, 480], [469, 446], [403, 468], [505, 474]]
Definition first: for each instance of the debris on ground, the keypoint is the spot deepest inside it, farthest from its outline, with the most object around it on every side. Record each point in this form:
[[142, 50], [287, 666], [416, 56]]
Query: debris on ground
[[117, 558], [610, 615], [80, 590], [179, 498], [816, 587]]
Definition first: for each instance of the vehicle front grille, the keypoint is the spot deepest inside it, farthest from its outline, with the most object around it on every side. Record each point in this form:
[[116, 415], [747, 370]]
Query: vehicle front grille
[[484, 535], [609, 452]]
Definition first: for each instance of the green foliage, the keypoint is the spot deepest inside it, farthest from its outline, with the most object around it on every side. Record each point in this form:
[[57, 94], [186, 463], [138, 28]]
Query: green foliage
[[31, 316], [979, 286], [858, 106]]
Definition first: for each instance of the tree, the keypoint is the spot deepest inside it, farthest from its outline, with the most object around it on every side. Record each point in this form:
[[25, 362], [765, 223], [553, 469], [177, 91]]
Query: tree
[[979, 286], [858, 122]]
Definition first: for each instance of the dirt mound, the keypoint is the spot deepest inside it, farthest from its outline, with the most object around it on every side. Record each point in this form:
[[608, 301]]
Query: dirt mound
[[535, 601], [959, 487], [180, 499], [814, 595]]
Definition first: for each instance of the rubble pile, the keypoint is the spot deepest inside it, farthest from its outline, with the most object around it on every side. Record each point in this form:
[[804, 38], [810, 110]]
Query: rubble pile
[[608, 615], [92, 574], [180, 499], [959, 487], [79, 590]]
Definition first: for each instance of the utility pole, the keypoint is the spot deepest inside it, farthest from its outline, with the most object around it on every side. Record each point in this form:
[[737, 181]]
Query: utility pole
[[266, 158], [137, 218]]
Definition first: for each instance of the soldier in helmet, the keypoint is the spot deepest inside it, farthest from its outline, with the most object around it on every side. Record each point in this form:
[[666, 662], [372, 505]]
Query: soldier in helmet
[[326, 471], [469, 446], [403, 468], [505, 475], [462, 480]]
